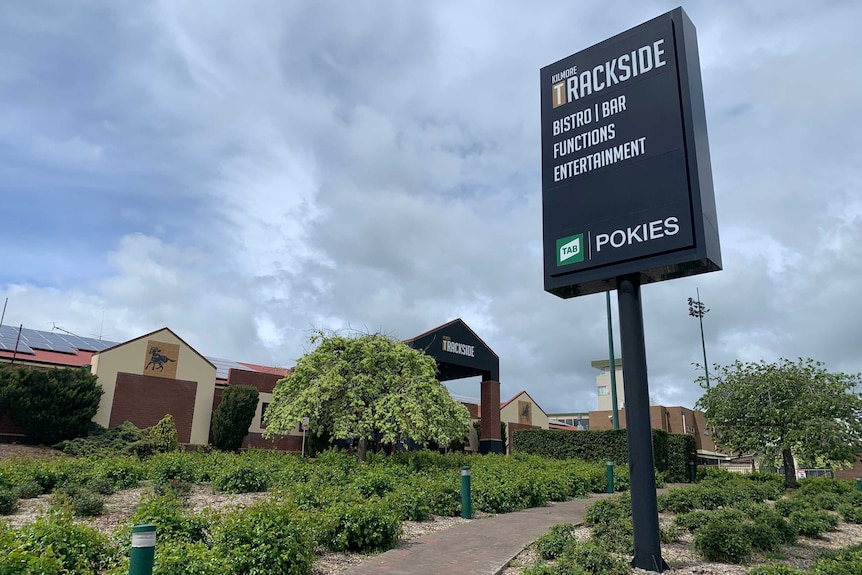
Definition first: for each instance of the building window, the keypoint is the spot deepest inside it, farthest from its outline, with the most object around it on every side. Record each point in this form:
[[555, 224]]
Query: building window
[[603, 390], [262, 413]]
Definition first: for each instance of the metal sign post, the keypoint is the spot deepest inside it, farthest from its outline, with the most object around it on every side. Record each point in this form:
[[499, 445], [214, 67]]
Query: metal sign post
[[641, 473]]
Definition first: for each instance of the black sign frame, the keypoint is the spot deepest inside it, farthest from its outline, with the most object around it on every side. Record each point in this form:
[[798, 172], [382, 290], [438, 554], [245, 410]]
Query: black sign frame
[[640, 191]]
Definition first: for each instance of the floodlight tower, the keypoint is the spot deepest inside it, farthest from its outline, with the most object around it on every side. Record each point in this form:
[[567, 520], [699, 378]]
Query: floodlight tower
[[697, 309]]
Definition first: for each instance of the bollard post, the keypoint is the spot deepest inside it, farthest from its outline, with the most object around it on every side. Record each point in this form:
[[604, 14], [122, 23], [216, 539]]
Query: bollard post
[[693, 471], [858, 484], [466, 505], [143, 550], [609, 466]]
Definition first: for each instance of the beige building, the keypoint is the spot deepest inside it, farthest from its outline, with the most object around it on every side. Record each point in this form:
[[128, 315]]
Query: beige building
[[156, 374], [603, 383]]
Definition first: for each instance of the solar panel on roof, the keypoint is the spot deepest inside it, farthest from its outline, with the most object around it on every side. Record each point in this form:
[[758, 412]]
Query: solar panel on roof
[[7, 330], [58, 343], [224, 365], [92, 344], [8, 344]]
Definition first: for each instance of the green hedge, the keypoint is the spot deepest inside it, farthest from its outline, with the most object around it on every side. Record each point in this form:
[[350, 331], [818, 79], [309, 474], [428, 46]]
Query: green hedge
[[671, 452]]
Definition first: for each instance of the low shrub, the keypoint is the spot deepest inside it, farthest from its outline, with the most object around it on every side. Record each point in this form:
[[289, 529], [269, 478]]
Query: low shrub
[[361, 526], [850, 513], [77, 549], [819, 485], [174, 489], [591, 558], [100, 441], [711, 496], [610, 510], [185, 558], [775, 569], [172, 523], [762, 536], [554, 543], [100, 485], [846, 561], [164, 467], [266, 538], [445, 497], [789, 505], [813, 522], [766, 515], [81, 501], [723, 539], [411, 501], [693, 520], [27, 490], [669, 534], [8, 502], [244, 478], [681, 500]]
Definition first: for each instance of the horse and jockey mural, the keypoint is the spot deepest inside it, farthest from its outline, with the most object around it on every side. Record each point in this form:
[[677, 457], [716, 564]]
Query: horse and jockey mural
[[161, 359]]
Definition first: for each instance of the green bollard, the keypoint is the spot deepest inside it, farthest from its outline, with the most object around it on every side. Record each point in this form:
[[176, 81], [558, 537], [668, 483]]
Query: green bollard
[[858, 484], [143, 550], [693, 471], [610, 469], [466, 505]]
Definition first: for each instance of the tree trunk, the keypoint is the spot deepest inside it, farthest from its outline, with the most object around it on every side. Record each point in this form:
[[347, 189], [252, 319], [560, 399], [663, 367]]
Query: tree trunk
[[789, 468], [362, 450]]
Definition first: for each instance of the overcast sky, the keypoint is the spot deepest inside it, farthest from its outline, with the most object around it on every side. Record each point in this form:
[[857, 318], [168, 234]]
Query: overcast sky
[[245, 172]]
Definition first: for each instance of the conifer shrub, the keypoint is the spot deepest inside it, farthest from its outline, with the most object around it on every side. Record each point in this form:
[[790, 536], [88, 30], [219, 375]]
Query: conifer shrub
[[163, 435], [233, 416], [49, 405]]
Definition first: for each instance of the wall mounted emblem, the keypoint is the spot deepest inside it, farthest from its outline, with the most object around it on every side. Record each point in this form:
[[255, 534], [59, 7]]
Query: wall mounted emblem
[[525, 412], [161, 359]]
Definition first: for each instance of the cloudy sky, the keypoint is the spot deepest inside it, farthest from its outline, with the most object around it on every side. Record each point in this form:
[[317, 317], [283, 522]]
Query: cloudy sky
[[246, 172]]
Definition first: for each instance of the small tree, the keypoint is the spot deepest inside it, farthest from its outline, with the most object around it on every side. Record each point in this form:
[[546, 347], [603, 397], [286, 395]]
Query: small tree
[[233, 416], [361, 386], [787, 408], [49, 405]]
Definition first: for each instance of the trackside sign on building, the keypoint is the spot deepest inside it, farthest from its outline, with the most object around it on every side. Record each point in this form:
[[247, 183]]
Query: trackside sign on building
[[626, 176]]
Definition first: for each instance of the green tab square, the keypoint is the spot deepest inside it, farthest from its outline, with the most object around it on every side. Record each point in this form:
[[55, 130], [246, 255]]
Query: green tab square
[[570, 250]]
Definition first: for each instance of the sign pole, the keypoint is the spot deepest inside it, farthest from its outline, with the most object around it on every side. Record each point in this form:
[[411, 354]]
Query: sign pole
[[639, 431]]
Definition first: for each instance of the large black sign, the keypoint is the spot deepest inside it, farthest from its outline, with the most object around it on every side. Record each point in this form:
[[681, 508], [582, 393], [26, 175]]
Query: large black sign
[[626, 176], [459, 352]]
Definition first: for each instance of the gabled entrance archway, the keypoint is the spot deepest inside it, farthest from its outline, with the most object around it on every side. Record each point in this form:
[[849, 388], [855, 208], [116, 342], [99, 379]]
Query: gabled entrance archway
[[461, 353]]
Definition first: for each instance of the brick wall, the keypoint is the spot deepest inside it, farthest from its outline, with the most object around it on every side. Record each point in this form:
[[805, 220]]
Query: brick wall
[[264, 382], [145, 399]]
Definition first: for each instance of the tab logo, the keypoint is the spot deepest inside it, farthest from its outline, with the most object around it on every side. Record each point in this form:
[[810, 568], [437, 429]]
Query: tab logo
[[570, 250]]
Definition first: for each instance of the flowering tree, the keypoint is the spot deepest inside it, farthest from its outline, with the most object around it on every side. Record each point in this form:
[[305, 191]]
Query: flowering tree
[[354, 387]]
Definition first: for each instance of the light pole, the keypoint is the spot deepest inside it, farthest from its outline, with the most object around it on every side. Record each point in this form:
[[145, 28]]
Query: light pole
[[613, 363], [697, 309]]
